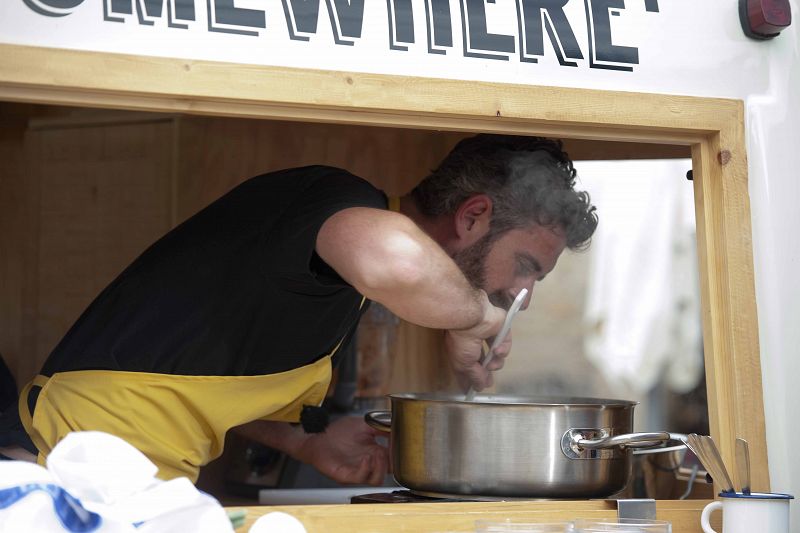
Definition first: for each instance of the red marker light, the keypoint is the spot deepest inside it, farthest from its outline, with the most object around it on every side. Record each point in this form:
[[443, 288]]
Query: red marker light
[[764, 19]]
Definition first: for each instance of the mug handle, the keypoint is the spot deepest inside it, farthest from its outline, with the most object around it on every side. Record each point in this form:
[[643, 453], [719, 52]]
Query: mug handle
[[707, 510]]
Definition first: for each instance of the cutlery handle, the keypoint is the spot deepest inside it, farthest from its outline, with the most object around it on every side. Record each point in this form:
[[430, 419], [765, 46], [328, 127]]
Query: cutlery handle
[[716, 459], [743, 464], [500, 337]]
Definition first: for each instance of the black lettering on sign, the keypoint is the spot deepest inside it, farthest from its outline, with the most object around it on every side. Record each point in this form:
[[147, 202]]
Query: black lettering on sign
[[401, 24], [225, 17], [347, 19], [53, 8], [177, 10], [440, 26], [116, 7], [534, 16], [602, 52], [301, 18], [478, 42]]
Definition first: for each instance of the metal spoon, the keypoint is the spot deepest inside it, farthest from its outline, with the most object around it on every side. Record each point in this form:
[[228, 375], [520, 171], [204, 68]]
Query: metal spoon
[[501, 336], [720, 466], [691, 443], [703, 452], [743, 464], [694, 444]]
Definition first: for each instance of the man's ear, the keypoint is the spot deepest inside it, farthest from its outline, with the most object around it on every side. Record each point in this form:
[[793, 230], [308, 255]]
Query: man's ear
[[473, 219]]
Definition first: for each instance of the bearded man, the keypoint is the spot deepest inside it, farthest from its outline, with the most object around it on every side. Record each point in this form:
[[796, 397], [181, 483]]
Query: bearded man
[[234, 319]]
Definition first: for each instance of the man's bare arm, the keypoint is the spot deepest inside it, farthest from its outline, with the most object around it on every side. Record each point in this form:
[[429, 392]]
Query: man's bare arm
[[390, 260], [281, 436], [347, 451]]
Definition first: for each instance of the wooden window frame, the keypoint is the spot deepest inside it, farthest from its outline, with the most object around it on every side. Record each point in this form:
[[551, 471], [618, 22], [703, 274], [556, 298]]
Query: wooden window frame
[[713, 128]]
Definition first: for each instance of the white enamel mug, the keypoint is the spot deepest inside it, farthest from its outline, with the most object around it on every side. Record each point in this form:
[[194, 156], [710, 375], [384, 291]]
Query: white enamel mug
[[746, 513]]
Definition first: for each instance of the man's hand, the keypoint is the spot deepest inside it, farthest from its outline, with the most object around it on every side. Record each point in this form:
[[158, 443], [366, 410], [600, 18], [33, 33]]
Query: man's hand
[[465, 347], [391, 260], [347, 452]]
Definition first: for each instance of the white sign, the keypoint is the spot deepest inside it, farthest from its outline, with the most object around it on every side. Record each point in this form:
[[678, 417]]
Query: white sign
[[533, 35], [665, 46]]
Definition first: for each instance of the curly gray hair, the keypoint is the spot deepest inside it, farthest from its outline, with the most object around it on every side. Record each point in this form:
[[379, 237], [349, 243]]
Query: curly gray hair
[[529, 179]]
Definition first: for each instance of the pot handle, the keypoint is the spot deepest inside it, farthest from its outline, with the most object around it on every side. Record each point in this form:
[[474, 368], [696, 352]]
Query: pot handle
[[597, 443], [380, 420], [679, 438], [576, 442], [627, 440]]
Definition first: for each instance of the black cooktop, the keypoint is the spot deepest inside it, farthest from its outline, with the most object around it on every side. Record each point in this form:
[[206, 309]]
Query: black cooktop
[[403, 496], [408, 496]]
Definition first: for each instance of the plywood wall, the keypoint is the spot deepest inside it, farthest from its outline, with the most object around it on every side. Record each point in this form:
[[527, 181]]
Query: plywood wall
[[217, 153], [82, 194], [86, 200], [16, 233]]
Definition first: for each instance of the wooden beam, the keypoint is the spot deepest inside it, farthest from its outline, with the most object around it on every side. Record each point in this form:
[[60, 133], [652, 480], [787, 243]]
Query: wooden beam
[[461, 517], [730, 324], [96, 79]]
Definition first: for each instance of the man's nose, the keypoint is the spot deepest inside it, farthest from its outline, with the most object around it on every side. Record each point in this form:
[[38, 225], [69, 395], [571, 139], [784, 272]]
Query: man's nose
[[528, 298]]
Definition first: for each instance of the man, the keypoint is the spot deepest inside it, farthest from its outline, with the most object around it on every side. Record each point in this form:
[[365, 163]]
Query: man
[[233, 320]]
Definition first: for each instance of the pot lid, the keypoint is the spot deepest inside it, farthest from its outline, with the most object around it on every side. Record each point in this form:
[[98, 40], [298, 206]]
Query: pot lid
[[514, 399]]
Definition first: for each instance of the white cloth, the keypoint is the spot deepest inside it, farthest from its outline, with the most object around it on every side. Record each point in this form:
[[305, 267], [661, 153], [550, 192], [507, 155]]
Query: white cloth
[[98, 482], [643, 310]]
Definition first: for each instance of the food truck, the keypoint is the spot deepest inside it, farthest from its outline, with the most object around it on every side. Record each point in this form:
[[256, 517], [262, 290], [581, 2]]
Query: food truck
[[121, 118]]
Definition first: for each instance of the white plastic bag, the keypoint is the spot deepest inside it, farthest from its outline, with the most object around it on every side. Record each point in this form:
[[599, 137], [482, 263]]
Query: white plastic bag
[[96, 482]]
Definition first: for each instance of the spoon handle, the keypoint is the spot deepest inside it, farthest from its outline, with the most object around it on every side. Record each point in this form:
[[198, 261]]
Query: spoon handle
[[743, 464], [715, 457], [500, 337]]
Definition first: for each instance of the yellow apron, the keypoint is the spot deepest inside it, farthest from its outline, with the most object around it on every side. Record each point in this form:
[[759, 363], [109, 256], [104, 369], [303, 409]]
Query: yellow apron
[[178, 422]]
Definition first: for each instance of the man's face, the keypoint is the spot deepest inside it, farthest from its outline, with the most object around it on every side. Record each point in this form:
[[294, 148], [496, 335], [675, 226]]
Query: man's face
[[503, 265]]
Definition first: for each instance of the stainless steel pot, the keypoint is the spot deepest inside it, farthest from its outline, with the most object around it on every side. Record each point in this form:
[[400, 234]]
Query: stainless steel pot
[[512, 446]]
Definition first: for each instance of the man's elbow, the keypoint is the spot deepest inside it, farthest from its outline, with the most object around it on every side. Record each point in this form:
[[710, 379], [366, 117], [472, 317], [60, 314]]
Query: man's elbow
[[398, 264]]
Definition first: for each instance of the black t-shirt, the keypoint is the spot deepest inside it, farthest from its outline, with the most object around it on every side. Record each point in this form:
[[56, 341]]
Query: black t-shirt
[[235, 290]]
